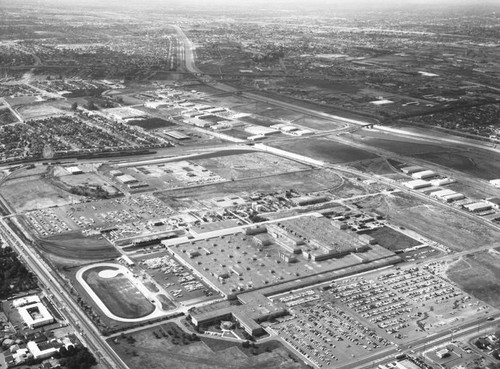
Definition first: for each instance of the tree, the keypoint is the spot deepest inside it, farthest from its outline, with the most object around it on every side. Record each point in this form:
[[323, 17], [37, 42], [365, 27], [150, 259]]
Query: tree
[[74, 106], [82, 359]]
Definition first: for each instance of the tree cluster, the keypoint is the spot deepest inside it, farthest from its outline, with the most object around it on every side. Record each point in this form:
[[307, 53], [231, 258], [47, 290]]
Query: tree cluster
[[14, 277]]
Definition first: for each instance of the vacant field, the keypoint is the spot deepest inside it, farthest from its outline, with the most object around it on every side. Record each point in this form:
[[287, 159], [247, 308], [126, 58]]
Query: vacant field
[[479, 275], [377, 166], [151, 123], [280, 113], [327, 150], [167, 346], [119, 295], [35, 194], [447, 227], [38, 111], [485, 166], [317, 180], [78, 248], [259, 120], [250, 165], [392, 239]]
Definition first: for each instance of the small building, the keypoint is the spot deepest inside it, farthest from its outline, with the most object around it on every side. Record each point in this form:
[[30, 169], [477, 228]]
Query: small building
[[442, 181], [176, 135], [442, 193], [424, 174], [406, 364], [126, 179], [417, 184], [74, 170], [454, 197], [35, 315], [412, 169], [495, 183], [26, 300], [442, 353], [116, 173], [478, 207]]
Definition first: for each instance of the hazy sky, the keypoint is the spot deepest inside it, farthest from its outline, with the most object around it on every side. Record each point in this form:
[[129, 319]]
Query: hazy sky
[[224, 6]]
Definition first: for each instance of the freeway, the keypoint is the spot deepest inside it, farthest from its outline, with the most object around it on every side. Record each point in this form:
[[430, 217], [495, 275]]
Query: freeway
[[186, 53], [88, 333]]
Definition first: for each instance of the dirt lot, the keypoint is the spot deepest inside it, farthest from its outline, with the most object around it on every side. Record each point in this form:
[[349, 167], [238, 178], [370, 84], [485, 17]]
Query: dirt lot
[[453, 230], [167, 346], [35, 194], [78, 249], [327, 150], [38, 111], [479, 275], [250, 165], [318, 123]]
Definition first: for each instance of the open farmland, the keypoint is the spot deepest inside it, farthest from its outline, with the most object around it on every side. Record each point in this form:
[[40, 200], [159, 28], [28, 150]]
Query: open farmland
[[118, 293], [324, 149], [479, 275], [168, 347], [456, 231]]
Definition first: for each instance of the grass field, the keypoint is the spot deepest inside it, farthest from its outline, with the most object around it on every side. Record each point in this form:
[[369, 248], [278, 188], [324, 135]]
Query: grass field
[[74, 246], [392, 239], [168, 347], [479, 275], [453, 230], [119, 295], [327, 150]]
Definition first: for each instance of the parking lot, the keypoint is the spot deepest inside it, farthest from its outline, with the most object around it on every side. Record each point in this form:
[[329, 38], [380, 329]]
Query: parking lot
[[179, 283], [356, 317], [97, 214]]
